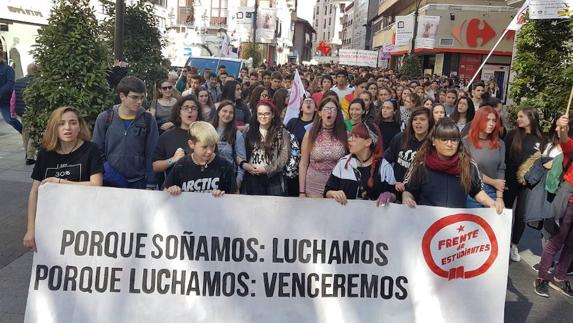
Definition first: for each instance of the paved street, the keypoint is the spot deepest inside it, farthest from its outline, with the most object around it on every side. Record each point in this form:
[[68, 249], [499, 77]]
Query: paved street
[[522, 305]]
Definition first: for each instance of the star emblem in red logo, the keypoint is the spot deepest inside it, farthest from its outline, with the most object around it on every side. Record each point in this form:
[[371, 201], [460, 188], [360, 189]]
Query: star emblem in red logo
[[461, 228]]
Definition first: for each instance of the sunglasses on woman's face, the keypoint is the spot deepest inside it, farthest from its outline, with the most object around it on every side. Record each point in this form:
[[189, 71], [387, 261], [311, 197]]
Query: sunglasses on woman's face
[[167, 87]]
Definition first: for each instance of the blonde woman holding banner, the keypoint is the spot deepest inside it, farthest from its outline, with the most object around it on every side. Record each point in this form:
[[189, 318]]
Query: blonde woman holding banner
[[67, 157]]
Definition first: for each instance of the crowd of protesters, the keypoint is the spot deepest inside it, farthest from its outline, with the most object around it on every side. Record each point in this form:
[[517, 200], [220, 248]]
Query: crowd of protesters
[[360, 133]]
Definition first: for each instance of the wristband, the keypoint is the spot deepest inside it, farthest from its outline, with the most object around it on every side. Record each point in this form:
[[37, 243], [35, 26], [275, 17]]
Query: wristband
[[242, 163], [169, 162], [301, 192]]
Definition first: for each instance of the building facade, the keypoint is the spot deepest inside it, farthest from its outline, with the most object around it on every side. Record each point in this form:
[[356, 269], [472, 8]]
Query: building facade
[[327, 22], [359, 24], [20, 21], [303, 34], [347, 27], [466, 33]]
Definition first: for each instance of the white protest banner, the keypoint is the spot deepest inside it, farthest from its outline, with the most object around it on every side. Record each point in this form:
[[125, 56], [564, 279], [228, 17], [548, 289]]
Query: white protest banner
[[266, 24], [404, 28], [427, 30], [358, 57], [117, 255], [550, 9], [346, 56], [366, 58]]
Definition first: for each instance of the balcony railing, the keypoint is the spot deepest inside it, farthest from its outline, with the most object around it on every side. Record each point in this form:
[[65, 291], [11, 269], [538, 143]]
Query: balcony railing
[[218, 21]]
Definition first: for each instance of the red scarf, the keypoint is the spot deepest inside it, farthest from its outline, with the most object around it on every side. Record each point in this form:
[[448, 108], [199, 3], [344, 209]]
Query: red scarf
[[450, 166]]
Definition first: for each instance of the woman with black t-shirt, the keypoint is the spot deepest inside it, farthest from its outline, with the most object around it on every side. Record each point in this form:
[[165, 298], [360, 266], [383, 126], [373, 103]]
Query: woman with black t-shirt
[[67, 157], [443, 173], [299, 126], [520, 143], [388, 121], [172, 144], [358, 175], [404, 146]]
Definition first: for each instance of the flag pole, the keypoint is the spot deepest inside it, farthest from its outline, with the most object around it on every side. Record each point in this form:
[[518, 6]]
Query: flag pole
[[488, 56], [569, 102]]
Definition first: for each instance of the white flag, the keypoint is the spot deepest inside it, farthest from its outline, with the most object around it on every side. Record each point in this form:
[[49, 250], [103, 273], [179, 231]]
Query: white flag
[[295, 99], [225, 46], [519, 18]]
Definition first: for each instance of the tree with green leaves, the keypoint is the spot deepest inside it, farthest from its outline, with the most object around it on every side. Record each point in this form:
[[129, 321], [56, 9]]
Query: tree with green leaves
[[543, 66], [252, 50], [72, 59], [411, 66], [142, 41]]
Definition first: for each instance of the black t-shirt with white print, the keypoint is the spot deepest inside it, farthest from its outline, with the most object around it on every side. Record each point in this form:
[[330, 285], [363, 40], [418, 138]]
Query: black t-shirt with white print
[[219, 174], [76, 166]]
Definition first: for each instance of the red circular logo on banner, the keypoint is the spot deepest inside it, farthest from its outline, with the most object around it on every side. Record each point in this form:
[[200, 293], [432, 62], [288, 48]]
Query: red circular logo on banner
[[466, 247]]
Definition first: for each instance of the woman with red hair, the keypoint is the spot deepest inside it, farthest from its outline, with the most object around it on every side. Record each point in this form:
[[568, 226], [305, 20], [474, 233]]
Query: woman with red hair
[[488, 151], [363, 174]]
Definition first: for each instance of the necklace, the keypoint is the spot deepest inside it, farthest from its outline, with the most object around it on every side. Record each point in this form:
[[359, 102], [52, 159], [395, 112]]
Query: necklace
[[362, 162], [203, 166], [73, 148]]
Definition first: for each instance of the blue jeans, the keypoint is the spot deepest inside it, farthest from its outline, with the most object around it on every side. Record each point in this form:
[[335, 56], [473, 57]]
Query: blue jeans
[[473, 204], [8, 118]]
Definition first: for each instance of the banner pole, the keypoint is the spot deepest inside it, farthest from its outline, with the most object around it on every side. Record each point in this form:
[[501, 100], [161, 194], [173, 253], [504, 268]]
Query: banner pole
[[569, 102], [488, 56]]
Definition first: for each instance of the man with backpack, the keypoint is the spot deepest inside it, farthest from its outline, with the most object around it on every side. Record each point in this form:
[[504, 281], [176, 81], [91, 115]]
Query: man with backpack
[[127, 136]]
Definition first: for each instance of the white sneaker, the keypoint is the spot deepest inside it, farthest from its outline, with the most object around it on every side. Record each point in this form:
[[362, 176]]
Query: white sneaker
[[514, 253]]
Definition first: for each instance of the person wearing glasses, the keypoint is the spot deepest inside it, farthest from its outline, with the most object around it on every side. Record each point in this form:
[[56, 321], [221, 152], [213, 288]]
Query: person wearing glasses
[[444, 174], [162, 106], [268, 147], [172, 144], [363, 174], [127, 136], [322, 147]]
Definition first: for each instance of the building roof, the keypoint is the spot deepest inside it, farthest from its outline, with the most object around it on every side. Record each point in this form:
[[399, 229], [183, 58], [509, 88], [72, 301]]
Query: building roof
[[306, 23]]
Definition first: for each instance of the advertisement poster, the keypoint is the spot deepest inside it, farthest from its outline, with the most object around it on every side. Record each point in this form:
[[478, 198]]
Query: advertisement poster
[[244, 19], [266, 24], [427, 30], [404, 28]]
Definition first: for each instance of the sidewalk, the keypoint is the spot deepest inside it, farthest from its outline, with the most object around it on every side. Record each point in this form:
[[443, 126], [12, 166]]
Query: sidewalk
[[15, 260]]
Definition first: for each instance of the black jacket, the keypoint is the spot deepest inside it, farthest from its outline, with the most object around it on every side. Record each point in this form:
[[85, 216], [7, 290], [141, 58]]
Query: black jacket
[[441, 189]]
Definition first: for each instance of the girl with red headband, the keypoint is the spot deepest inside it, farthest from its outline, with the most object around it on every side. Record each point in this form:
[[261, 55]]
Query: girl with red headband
[[363, 174]]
